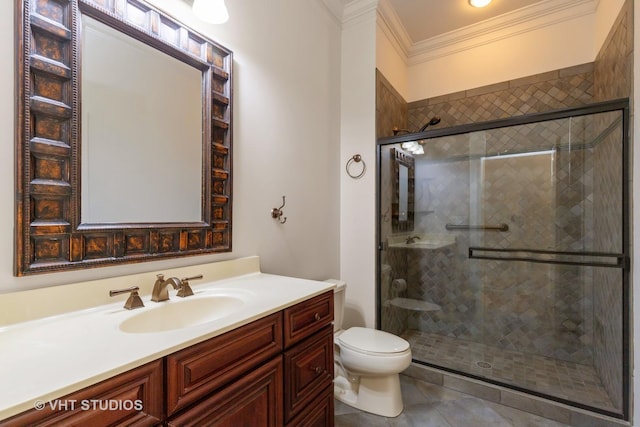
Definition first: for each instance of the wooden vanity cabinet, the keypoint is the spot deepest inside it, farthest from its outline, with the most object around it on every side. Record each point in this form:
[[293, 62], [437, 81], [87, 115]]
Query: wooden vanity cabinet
[[134, 398], [320, 412], [274, 371], [290, 389], [308, 369], [253, 400], [196, 371], [308, 360], [308, 317]]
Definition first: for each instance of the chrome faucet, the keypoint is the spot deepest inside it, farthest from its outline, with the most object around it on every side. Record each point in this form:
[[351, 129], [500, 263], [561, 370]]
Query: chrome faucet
[[412, 239], [161, 292]]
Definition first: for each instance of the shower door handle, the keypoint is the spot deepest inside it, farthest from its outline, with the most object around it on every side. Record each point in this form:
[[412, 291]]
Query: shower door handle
[[586, 259], [497, 227]]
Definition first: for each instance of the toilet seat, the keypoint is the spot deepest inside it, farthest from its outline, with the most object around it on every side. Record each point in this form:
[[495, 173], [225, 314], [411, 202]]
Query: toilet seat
[[372, 342]]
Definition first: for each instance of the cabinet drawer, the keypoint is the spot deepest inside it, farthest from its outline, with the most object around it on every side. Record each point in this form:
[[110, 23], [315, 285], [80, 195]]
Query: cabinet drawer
[[196, 371], [321, 413], [302, 320], [308, 369], [133, 398], [252, 400]]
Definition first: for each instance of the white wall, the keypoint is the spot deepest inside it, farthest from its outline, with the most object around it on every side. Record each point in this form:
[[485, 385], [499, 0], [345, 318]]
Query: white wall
[[286, 140], [357, 198]]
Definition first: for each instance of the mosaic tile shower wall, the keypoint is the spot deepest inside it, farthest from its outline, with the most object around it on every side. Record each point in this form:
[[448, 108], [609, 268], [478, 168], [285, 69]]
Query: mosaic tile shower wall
[[568, 87], [541, 196], [391, 108], [613, 76], [608, 310]]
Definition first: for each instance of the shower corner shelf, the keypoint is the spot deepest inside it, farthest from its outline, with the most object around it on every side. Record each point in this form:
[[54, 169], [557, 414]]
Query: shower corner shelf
[[414, 304]]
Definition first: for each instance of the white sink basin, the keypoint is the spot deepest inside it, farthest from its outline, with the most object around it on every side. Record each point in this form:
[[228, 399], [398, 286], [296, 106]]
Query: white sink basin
[[179, 313]]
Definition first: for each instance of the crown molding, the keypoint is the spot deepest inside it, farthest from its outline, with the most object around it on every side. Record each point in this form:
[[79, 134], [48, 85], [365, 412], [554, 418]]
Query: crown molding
[[350, 11], [391, 25], [529, 18], [335, 7], [355, 10]]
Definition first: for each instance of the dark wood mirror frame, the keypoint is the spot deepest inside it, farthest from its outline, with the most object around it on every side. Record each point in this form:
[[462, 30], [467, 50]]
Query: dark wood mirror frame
[[402, 158], [49, 234]]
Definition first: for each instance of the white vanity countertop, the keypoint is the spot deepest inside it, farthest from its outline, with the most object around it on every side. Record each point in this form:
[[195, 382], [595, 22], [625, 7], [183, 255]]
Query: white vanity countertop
[[48, 358]]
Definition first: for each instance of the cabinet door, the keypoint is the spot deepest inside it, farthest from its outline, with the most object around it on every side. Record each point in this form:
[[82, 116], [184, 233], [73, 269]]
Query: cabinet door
[[133, 398], [253, 400], [319, 414], [308, 370], [307, 317], [196, 371]]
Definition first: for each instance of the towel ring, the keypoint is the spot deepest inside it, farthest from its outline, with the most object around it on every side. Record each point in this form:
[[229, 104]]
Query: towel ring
[[357, 158]]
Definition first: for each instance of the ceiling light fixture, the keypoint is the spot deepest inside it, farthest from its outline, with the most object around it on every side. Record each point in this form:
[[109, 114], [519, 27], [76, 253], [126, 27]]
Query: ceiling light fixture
[[211, 11], [479, 3]]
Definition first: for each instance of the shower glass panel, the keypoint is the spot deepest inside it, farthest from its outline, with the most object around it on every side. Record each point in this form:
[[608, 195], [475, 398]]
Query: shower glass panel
[[516, 268]]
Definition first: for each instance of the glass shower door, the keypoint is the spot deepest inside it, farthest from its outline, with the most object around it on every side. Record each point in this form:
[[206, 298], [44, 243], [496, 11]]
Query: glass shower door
[[515, 270]]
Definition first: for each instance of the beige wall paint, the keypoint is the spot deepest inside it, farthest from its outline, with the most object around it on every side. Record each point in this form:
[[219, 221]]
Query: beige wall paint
[[550, 47], [391, 64], [532, 52]]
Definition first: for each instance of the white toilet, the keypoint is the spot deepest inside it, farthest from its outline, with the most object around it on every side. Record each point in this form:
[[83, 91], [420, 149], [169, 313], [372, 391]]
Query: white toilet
[[367, 364]]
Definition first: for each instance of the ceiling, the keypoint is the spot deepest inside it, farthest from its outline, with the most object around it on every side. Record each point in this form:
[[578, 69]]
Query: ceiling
[[424, 19]]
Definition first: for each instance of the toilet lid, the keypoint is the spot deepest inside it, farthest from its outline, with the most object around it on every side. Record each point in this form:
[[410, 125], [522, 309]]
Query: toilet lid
[[372, 341]]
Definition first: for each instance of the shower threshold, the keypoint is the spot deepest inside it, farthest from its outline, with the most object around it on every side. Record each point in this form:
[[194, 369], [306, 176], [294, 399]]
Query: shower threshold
[[544, 375]]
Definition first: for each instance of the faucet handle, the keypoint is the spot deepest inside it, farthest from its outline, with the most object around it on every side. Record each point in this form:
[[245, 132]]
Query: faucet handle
[[134, 300], [185, 290]]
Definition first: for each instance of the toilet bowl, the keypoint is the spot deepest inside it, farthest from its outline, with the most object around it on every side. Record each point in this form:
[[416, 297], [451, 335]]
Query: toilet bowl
[[367, 364]]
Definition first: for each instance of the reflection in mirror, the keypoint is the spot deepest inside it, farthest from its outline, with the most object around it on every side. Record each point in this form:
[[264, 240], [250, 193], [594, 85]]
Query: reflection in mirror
[[402, 206], [141, 131], [403, 190]]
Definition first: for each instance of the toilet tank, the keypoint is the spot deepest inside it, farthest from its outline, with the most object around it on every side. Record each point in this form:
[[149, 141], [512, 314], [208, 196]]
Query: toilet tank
[[339, 294]]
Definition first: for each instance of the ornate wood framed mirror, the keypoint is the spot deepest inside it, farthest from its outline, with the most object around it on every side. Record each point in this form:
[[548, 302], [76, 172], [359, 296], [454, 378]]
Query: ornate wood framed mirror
[[55, 124], [402, 205]]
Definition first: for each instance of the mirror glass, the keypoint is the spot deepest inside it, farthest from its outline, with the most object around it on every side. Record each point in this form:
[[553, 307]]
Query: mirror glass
[[403, 192], [142, 156]]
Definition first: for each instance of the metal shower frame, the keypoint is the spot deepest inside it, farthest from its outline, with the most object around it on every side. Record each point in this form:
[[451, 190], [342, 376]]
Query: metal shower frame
[[624, 258]]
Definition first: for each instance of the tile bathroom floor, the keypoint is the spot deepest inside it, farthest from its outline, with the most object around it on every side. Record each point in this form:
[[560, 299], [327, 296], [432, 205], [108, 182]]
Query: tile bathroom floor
[[430, 405], [567, 380]]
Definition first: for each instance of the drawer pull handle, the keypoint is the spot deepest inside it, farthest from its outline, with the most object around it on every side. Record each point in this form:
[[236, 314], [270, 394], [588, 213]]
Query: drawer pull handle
[[317, 369], [317, 316]]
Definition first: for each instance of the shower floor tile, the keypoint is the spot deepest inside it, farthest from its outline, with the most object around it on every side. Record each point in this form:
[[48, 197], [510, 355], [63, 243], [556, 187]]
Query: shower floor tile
[[558, 378]]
